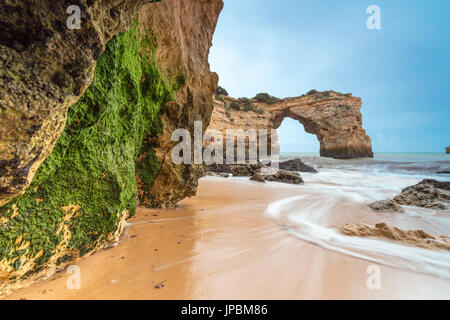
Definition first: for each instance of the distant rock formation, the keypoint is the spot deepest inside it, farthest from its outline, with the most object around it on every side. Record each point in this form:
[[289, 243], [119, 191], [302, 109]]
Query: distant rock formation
[[428, 193], [333, 117], [447, 150]]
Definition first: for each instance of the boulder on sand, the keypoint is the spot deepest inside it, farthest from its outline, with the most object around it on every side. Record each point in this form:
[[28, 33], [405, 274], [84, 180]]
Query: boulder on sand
[[386, 205], [270, 174], [428, 193], [296, 165]]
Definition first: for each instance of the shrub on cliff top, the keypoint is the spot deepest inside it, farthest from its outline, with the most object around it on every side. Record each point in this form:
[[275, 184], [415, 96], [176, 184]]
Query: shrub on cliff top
[[246, 105], [265, 97], [252, 107], [221, 91], [235, 106]]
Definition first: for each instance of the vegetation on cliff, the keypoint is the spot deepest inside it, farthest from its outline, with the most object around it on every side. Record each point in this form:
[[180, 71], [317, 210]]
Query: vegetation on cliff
[[267, 98], [220, 91], [246, 105], [84, 191]]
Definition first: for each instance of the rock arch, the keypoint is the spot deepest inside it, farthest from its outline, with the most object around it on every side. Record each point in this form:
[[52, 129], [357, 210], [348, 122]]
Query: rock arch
[[334, 118]]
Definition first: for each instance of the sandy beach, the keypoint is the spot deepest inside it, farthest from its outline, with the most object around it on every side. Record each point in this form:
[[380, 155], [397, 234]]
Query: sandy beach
[[220, 245]]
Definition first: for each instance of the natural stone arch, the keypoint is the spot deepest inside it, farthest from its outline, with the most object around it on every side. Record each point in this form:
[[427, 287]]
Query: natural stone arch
[[333, 117]]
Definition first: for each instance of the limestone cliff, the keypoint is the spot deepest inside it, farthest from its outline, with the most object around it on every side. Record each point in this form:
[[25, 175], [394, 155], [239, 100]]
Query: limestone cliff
[[182, 55], [333, 117], [45, 68], [86, 117]]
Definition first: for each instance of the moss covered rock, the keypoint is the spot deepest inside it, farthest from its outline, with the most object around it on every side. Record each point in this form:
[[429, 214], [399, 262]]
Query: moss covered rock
[[83, 192]]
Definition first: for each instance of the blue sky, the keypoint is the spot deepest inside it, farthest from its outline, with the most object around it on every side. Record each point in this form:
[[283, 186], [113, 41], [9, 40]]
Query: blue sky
[[401, 72]]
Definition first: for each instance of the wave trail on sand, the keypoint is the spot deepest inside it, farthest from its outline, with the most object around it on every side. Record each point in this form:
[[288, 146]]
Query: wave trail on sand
[[307, 217]]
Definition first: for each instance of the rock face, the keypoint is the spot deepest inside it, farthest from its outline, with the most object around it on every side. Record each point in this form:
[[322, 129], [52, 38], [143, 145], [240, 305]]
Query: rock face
[[417, 238], [333, 117], [447, 150], [182, 56], [296, 165], [110, 150], [45, 68], [428, 193], [226, 116]]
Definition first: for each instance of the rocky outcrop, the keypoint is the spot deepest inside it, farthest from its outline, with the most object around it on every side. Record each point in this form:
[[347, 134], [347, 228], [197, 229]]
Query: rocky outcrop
[[447, 150], [45, 68], [333, 117], [386, 205], [417, 238], [238, 170], [428, 193], [296, 165], [246, 170], [269, 174], [182, 55], [110, 149]]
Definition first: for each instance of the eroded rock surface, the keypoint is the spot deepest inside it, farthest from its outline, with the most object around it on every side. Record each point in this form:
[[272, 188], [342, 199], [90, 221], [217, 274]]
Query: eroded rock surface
[[428, 193], [44, 69], [110, 147], [386, 205], [184, 31]]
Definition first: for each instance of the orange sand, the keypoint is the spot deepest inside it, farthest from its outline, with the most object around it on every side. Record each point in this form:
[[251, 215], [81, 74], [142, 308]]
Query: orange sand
[[219, 245]]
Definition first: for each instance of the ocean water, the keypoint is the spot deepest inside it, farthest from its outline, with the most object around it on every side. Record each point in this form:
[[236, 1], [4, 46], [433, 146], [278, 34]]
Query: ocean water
[[340, 194]]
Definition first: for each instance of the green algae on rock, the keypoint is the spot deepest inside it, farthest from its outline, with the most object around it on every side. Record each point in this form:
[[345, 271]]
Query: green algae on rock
[[83, 192], [44, 68]]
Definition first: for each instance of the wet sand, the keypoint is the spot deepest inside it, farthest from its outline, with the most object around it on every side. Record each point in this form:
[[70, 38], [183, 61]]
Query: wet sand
[[220, 245]]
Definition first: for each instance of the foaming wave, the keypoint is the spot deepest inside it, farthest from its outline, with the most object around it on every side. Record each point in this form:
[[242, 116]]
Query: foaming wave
[[400, 163], [307, 221], [340, 193]]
